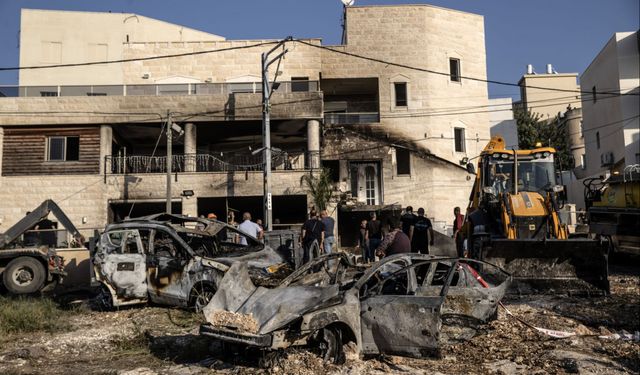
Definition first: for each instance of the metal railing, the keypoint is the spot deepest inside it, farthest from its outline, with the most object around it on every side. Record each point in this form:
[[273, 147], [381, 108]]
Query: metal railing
[[136, 164], [155, 89], [351, 118]]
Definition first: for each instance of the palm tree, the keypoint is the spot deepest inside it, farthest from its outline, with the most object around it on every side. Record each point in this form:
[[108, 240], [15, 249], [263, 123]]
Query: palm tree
[[320, 187]]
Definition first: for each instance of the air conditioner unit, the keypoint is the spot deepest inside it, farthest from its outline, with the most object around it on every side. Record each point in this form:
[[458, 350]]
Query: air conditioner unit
[[606, 159]]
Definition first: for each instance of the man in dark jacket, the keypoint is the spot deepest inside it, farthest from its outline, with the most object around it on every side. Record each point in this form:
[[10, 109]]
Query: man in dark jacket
[[422, 234], [312, 235]]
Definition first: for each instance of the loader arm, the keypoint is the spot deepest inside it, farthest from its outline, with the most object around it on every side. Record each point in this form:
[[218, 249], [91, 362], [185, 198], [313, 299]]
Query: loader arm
[[41, 212]]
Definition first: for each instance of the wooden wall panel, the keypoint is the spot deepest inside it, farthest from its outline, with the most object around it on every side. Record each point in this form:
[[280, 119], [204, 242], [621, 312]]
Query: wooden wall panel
[[24, 151]]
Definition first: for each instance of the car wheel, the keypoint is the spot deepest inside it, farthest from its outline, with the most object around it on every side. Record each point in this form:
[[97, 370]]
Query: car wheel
[[330, 343], [24, 275], [201, 295], [104, 299]]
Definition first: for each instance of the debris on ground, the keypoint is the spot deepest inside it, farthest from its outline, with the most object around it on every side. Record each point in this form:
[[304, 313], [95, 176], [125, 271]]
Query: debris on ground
[[237, 321], [91, 343]]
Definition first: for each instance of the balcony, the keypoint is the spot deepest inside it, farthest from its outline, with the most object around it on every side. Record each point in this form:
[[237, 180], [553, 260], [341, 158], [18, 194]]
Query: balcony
[[207, 163], [351, 118], [155, 89]]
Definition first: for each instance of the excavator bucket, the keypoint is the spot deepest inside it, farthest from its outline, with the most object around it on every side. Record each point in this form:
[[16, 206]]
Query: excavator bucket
[[577, 266]]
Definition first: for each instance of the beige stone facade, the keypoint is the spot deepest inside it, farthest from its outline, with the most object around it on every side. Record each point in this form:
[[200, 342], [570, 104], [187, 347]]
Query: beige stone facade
[[420, 136], [548, 95]]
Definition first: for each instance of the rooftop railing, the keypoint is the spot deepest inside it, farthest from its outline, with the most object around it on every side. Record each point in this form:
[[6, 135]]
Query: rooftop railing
[[156, 89]]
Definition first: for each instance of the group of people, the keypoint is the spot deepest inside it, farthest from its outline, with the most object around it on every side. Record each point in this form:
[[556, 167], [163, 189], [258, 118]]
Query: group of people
[[410, 233], [317, 230]]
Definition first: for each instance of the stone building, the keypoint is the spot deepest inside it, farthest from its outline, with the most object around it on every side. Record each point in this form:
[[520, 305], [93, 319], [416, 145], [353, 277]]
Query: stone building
[[90, 137], [611, 126]]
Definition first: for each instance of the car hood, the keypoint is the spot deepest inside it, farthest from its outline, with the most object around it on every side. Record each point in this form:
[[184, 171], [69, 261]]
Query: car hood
[[270, 308]]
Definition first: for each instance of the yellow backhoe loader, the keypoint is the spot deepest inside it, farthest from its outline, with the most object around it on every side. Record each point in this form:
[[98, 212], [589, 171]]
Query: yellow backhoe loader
[[512, 221]]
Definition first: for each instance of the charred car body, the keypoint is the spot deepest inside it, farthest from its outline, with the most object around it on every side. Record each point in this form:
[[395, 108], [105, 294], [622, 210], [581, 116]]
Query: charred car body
[[401, 305], [170, 259]]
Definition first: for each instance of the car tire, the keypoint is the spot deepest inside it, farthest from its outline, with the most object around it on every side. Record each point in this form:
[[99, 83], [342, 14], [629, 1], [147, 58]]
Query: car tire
[[24, 275], [200, 296], [104, 299], [331, 345]]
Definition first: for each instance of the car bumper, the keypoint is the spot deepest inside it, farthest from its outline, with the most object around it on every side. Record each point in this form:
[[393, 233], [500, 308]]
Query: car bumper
[[232, 336]]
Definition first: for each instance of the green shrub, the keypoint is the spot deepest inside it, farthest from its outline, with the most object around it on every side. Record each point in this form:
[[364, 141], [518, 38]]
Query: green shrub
[[22, 314]]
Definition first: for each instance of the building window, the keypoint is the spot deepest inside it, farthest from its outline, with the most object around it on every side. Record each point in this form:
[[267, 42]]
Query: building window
[[593, 93], [48, 93], [598, 140], [401, 93], [454, 70], [403, 162], [299, 84], [458, 134], [63, 148]]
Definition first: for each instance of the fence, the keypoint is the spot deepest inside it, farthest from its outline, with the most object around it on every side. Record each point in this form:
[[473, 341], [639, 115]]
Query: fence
[[211, 163]]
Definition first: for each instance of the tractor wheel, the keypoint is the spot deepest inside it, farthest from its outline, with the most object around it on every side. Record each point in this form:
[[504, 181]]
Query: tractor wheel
[[24, 275]]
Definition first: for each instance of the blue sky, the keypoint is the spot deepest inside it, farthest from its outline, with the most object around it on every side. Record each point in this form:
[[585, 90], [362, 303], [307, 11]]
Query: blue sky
[[565, 33]]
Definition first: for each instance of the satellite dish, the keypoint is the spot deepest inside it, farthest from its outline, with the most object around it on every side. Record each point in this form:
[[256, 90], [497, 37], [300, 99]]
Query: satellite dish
[[348, 3]]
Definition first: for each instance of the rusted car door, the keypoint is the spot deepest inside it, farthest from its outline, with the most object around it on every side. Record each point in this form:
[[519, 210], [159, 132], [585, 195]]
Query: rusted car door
[[468, 299], [166, 267], [124, 264], [393, 318]]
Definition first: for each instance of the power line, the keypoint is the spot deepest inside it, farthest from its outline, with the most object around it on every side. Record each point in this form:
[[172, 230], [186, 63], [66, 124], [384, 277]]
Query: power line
[[137, 58], [373, 59]]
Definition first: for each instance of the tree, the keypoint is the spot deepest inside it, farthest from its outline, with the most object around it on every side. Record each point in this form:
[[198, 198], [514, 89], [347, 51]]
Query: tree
[[532, 130], [320, 187]]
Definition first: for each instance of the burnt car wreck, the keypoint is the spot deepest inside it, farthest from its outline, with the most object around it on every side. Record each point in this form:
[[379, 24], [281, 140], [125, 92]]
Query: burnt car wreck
[[171, 260], [406, 304]]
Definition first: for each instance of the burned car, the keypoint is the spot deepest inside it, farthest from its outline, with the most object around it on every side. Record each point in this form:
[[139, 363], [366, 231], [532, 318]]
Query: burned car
[[398, 306], [170, 259]]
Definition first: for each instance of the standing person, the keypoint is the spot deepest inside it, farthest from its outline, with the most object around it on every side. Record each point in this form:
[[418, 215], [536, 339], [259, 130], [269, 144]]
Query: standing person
[[363, 245], [312, 235], [395, 242], [407, 220], [249, 227], [422, 233], [329, 237], [373, 236], [458, 220]]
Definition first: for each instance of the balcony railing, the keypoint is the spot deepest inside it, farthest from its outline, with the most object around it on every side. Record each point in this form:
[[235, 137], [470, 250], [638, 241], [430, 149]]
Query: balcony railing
[[156, 89], [351, 118], [136, 164]]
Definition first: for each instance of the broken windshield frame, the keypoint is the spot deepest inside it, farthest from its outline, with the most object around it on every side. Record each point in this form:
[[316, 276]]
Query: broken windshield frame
[[534, 174]]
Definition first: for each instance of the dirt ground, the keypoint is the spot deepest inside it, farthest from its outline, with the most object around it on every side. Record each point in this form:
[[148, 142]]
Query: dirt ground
[[154, 340]]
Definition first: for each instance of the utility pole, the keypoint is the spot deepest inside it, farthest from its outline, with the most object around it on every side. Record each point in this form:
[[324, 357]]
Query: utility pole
[[267, 89], [169, 157]]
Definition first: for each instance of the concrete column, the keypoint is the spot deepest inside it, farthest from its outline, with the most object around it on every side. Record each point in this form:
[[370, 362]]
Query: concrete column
[[1, 150], [106, 139], [313, 144], [190, 149]]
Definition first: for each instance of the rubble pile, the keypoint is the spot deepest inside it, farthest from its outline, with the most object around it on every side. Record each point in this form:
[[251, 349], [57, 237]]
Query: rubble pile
[[226, 319]]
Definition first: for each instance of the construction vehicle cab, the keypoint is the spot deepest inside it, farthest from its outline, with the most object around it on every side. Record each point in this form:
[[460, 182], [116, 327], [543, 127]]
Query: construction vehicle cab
[[513, 222]]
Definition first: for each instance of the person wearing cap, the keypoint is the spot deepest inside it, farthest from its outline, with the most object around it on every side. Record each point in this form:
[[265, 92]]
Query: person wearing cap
[[421, 233]]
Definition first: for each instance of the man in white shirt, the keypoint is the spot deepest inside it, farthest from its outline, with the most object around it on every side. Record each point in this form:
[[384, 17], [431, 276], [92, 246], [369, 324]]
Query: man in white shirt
[[249, 227]]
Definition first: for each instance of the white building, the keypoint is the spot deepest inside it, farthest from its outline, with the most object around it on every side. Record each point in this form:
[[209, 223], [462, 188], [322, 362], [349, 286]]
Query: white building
[[501, 121], [611, 123]]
